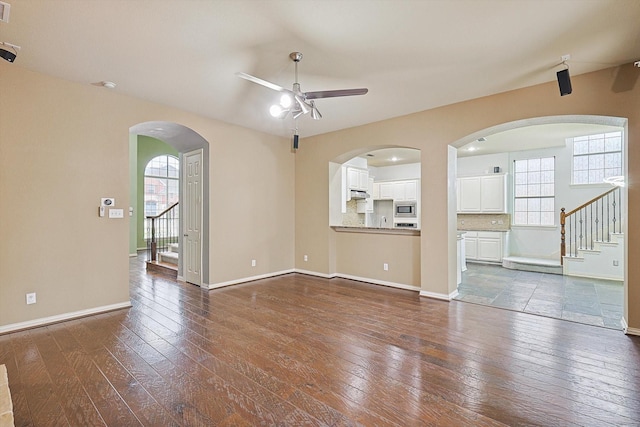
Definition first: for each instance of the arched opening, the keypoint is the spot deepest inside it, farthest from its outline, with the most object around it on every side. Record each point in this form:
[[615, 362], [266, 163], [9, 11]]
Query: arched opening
[[578, 152], [173, 140], [374, 206]]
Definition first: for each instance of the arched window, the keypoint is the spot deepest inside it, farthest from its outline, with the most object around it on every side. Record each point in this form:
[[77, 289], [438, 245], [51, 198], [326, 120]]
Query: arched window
[[161, 179]]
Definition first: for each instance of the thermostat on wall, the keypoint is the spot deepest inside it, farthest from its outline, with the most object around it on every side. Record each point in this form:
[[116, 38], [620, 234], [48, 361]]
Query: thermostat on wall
[[108, 201]]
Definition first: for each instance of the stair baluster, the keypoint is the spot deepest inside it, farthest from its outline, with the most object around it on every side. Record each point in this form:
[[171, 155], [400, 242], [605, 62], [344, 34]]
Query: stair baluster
[[162, 230], [581, 234]]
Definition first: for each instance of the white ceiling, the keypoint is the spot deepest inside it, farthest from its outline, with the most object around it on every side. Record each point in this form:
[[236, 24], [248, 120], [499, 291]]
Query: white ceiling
[[412, 55]]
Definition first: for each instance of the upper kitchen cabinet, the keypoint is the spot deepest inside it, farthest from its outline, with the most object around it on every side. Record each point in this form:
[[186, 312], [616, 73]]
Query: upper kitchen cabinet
[[406, 190], [482, 194], [357, 179]]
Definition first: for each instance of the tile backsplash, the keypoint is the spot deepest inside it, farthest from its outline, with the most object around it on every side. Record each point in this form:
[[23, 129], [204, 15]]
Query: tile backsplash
[[352, 218], [471, 222]]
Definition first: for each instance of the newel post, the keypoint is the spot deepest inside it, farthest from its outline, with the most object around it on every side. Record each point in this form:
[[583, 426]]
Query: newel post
[[563, 249]]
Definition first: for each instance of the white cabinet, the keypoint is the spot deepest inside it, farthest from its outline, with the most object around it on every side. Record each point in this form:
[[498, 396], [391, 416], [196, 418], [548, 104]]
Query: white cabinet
[[411, 190], [469, 188], [386, 190], [492, 193], [357, 179], [482, 194], [485, 245], [397, 190], [471, 245]]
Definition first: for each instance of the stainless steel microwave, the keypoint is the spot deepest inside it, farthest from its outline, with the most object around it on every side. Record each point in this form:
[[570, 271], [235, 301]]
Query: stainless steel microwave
[[405, 210]]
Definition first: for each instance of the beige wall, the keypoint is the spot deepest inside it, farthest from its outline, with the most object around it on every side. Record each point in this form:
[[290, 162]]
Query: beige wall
[[64, 145], [53, 133], [432, 131], [364, 255]]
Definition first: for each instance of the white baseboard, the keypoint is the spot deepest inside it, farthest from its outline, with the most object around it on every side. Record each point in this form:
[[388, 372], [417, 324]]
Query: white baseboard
[[62, 317], [315, 273], [249, 279], [378, 282], [133, 255], [344, 276], [359, 279], [435, 295], [627, 330]]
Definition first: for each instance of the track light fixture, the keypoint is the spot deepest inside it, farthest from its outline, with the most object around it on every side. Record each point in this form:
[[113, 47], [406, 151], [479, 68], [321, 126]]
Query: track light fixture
[[564, 80]]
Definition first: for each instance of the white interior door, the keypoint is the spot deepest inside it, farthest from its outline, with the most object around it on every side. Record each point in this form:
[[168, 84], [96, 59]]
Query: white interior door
[[192, 233]]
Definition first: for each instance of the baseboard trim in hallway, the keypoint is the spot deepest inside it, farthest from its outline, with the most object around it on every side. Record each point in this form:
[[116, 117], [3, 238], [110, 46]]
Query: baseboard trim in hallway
[[13, 327]]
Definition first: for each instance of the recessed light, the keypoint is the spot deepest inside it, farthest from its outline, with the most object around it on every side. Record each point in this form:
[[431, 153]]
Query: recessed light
[[394, 159], [471, 149]]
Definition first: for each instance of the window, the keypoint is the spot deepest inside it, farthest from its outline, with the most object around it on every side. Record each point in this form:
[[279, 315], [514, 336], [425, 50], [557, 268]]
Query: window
[[160, 184], [596, 157], [534, 202]]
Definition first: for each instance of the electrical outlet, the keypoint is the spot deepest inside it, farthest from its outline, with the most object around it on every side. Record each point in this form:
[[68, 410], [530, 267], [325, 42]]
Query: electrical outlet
[[253, 263], [31, 298], [385, 266], [306, 258]]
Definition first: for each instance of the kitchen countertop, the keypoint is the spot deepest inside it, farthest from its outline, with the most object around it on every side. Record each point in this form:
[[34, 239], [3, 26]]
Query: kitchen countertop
[[376, 230]]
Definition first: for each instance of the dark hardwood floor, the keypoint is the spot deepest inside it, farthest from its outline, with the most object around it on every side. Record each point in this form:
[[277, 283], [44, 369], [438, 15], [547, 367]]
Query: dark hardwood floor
[[299, 350]]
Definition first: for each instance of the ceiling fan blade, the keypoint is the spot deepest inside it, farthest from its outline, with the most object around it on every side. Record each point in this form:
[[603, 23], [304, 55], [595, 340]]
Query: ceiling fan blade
[[335, 93], [261, 82]]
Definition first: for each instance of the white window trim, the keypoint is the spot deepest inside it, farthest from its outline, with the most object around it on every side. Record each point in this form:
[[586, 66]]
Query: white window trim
[[573, 156]]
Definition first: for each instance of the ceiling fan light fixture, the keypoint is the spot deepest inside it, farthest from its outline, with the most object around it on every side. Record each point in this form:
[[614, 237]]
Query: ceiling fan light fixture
[[302, 104], [277, 111], [286, 101], [315, 114], [297, 113]]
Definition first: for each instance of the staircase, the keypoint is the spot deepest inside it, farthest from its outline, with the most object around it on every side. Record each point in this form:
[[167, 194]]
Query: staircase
[[162, 241], [591, 242], [169, 256]]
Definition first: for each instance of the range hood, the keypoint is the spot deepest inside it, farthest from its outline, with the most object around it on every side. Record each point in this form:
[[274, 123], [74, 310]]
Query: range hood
[[357, 194]]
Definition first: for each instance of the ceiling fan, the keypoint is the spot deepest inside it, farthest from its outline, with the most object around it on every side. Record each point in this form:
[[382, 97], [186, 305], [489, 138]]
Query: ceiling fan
[[295, 101]]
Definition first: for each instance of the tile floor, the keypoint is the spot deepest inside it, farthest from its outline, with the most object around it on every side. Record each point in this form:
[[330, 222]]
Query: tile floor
[[583, 300]]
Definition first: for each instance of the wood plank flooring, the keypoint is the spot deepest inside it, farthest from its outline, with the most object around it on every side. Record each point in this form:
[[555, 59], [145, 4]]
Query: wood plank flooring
[[300, 350]]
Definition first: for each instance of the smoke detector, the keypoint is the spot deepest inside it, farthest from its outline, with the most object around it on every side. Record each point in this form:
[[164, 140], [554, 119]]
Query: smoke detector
[[4, 11], [108, 85]]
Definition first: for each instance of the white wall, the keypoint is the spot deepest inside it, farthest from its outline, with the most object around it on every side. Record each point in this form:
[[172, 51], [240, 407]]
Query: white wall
[[397, 172], [531, 241], [479, 165]]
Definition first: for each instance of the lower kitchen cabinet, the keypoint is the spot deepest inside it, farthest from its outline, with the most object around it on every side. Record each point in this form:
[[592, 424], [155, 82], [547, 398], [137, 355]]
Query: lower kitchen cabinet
[[485, 245]]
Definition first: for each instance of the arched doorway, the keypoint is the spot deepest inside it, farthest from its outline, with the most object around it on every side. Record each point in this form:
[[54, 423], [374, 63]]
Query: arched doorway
[[189, 146], [529, 247]]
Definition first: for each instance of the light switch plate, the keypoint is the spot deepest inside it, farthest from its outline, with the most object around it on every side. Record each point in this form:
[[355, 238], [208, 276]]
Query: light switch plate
[[116, 213]]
